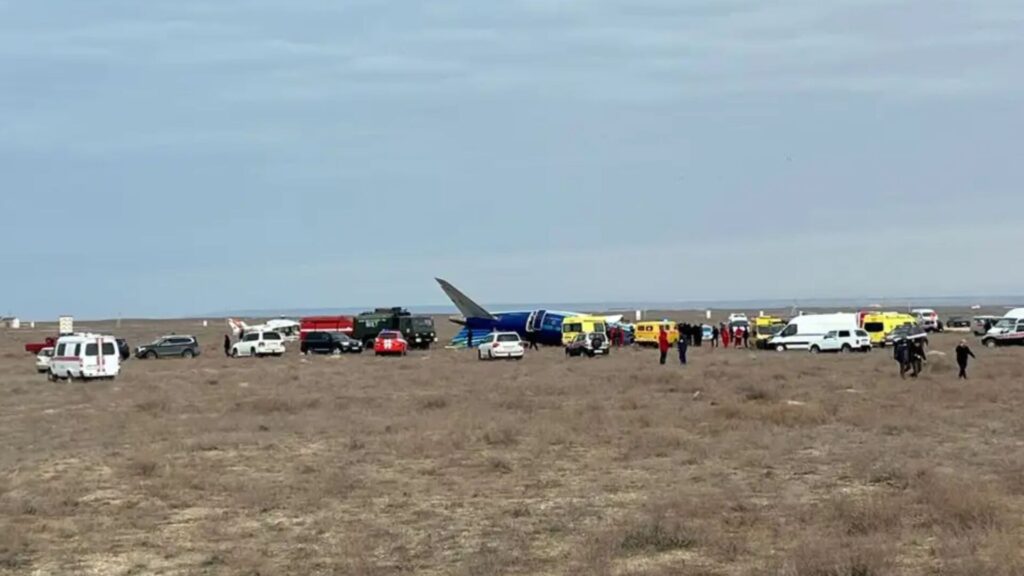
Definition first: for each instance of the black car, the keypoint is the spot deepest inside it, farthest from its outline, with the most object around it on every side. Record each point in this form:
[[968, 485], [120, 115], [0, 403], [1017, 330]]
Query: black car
[[330, 343], [170, 347], [905, 332], [124, 349]]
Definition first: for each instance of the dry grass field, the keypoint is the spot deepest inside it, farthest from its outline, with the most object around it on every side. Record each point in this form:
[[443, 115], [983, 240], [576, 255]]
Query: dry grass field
[[742, 463]]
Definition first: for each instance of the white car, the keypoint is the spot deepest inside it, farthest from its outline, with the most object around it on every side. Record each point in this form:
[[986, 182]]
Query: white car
[[259, 344], [43, 360], [842, 341], [501, 345], [928, 319], [737, 317]]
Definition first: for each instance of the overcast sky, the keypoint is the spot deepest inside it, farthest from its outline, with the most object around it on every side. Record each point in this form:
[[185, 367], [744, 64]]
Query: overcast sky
[[174, 157]]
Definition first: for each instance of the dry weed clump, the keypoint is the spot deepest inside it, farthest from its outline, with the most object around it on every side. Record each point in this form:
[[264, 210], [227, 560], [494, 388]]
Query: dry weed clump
[[869, 515], [657, 533], [958, 505], [823, 556]]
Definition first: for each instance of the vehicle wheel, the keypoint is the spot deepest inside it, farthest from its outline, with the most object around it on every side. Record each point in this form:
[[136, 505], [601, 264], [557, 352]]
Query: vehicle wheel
[[51, 376], [151, 355], [567, 352], [234, 352], [815, 349], [846, 349], [252, 352], [780, 347], [187, 354], [990, 343], [480, 355]]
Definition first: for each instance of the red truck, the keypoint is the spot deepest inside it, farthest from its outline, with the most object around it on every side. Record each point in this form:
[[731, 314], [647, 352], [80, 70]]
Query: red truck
[[35, 347], [341, 324]]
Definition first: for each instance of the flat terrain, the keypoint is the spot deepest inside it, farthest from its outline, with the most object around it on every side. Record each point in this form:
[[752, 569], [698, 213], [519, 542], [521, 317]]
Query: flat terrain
[[743, 463]]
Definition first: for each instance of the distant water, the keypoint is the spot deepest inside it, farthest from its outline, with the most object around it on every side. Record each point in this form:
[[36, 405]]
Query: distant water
[[723, 305]]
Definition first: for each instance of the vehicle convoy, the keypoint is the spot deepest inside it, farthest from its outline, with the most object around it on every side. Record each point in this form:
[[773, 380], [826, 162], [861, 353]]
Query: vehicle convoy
[[390, 343], [418, 330], [174, 346], [329, 343], [259, 344], [1014, 337], [501, 345], [647, 333], [85, 356], [573, 326], [880, 324], [590, 344], [803, 331], [765, 327], [43, 360], [842, 341]]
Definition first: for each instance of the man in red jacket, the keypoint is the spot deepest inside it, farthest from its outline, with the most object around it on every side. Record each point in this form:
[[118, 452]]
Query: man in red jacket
[[663, 344]]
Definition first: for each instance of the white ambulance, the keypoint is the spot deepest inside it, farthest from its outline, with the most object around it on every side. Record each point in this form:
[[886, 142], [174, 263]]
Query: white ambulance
[[85, 356]]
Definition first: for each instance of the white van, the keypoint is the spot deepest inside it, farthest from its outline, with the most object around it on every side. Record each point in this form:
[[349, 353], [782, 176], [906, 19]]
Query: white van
[[85, 356], [1008, 323], [802, 331]]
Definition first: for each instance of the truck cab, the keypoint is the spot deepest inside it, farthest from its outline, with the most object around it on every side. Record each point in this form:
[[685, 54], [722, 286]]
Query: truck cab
[[418, 330]]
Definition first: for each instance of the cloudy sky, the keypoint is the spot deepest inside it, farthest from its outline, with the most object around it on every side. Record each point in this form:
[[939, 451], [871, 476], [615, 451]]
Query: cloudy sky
[[174, 157]]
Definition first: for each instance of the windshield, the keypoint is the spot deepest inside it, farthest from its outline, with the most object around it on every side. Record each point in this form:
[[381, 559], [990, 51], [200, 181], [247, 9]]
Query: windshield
[[769, 330], [423, 323], [1006, 323], [508, 338], [388, 335]]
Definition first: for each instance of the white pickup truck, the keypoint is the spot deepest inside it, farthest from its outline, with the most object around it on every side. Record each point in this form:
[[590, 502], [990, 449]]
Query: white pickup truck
[[842, 341]]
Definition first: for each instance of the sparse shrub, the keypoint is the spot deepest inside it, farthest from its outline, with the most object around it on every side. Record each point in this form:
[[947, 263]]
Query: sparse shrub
[[755, 393], [143, 467], [499, 465], [434, 403], [657, 534], [839, 557], [501, 435], [867, 516], [958, 505]]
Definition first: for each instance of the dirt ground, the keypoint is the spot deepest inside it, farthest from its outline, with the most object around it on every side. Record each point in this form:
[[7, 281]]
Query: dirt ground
[[741, 463]]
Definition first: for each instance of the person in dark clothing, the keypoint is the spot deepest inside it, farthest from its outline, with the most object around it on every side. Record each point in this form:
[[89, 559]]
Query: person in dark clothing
[[714, 336], [469, 338], [901, 353], [746, 336], [963, 352], [531, 339], [917, 357], [698, 335], [663, 344], [227, 345], [683, 345]]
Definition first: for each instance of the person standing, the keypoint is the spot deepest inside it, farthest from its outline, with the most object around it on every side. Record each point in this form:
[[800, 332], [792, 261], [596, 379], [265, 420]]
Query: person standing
[[901, 353], [531, 339], [227, 345], [683, 345], [963, 352], [917, 357], [663, 344], [714, 336], [469, 338], [725, 336], [746, 337]]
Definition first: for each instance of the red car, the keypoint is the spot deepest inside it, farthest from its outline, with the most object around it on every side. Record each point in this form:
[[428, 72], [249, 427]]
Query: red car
[[390, 342]]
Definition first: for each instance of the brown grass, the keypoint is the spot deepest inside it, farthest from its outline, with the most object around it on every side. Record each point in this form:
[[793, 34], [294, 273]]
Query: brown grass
[[741, 463]]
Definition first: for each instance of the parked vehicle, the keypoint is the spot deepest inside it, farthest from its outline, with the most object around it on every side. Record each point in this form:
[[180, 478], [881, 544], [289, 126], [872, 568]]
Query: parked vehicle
[[329, 324], [880, 324], [928, 319], [958, 324], [417, 330], [123, 349], [259, 344], [982, 324], [85, 356], [1013, 337], [173, 346], [573, 326], [329, 343], [802, 331], [646, 333], [765, 327], [842, 341], [906, 332], [390, 342], [736, 318], [1008, 323], [501, 345], [590, 344], [43, 360], [36, 347]]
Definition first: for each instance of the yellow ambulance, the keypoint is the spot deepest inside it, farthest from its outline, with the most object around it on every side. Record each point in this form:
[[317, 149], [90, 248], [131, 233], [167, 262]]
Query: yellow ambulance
[[878, 325], [646, 333], [576, 325]]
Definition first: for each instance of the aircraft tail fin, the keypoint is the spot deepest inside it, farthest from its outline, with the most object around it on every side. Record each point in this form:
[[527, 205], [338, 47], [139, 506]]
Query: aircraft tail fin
[[237, 326], [467, 307]]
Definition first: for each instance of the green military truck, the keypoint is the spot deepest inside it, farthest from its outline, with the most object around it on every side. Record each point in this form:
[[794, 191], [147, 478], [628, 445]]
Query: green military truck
[[417, 329]]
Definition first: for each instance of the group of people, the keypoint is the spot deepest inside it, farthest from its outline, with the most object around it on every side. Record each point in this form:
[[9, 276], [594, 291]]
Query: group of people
[[911, 356]]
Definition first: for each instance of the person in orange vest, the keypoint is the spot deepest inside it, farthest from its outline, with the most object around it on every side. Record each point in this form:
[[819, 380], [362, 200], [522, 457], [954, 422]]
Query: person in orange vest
[[726, 332], [663, 344]]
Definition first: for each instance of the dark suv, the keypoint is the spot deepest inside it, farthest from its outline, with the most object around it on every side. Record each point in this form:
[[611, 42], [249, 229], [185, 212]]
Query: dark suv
[[170, 346], [330, 343]]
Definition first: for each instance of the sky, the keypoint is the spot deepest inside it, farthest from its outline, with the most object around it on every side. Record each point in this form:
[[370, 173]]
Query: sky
[[177, 157]]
